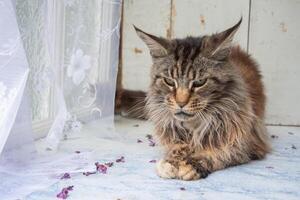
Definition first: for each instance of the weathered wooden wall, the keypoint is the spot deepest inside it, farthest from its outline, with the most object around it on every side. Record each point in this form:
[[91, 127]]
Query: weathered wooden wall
[[270, 32]]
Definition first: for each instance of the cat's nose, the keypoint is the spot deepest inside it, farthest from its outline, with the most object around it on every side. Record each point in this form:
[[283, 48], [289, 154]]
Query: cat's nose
[[181, 104], [182, 97]]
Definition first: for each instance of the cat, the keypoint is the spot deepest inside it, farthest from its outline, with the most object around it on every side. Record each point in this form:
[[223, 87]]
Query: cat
[[128, 103], [207, 103]]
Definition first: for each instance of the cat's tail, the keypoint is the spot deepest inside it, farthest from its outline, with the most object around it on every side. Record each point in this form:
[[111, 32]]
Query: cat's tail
[[131, 103]]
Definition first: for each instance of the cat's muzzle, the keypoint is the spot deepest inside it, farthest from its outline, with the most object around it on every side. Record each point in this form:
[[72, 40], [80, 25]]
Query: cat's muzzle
[[183, 116]]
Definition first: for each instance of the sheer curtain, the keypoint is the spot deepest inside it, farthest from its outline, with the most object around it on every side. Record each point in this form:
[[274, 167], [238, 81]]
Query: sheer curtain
[[58, 66]]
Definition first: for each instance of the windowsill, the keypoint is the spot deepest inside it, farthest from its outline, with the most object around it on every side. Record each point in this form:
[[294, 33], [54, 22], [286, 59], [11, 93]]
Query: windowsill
[[276, 176]]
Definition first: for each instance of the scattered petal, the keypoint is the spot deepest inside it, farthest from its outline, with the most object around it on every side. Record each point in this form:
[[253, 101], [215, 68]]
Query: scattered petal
[[88, 173], [290, 133], [274, 136], [64, 192], [77, 152], [151, 143], [149, 137], [152, 161], [70, 187], [139, 141], [65, 176], [182, 188], [269, 167], [121, 159], [109, 164], [294, 147], [101, 168], [136, 125]]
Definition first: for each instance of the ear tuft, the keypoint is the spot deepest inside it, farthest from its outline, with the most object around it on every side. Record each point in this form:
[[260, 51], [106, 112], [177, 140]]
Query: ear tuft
[[217, 46], [158, 46]]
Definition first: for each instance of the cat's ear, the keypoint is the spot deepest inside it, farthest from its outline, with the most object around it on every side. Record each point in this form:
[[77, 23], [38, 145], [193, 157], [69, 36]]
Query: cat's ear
[[158, 46], [217, 46]]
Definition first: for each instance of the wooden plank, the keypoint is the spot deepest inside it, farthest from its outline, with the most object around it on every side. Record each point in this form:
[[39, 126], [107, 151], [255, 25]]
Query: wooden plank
[[274, 41], [153, 17], [194, 17]]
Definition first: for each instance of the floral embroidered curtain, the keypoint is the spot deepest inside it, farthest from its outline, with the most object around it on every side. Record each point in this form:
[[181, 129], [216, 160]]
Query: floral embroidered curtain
[[73, 44], [58, 67]]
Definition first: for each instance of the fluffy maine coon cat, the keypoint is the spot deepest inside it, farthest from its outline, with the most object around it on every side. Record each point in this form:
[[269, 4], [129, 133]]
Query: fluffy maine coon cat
[[207, 102]]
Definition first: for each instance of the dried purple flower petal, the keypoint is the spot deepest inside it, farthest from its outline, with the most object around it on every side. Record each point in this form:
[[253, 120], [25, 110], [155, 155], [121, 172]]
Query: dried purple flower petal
[[274, 136], [64, 192], [88, 173], [121, 159], [139, 141], [151, 143], [101, 168], [269, 167], [182, 188], [152, 161], [65, 176], [290, 133], [70, 187], [149, 137], [77, 152], [109, 164], [136, 125], [294, 147]]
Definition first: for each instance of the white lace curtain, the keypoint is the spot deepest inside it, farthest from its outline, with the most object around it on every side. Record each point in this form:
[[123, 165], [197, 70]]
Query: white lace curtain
[[58, 66], [73, 43]]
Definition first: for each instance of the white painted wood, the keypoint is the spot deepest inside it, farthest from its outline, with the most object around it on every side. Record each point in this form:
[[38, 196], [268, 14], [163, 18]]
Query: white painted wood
[[194, 17], [189, 17], [275, 43], [152, 17]]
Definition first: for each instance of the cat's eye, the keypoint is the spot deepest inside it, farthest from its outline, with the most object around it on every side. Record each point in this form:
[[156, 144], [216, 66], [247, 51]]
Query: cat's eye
[[169, 82], [199, 83]]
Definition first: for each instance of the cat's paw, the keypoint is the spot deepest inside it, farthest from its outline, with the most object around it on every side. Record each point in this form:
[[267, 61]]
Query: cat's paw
[[166, 170], [187, 172]]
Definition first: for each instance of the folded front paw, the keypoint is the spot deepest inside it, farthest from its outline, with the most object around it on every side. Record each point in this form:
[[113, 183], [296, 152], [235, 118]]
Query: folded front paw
[[187, 172], [180, 170], [166, 170]]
